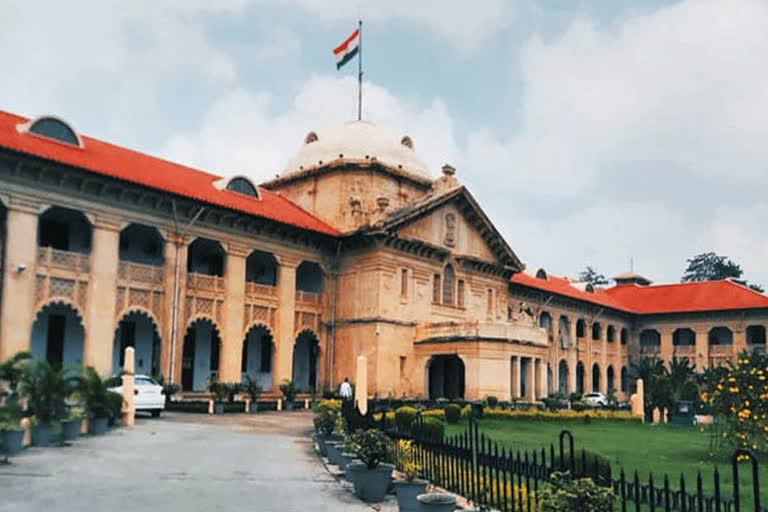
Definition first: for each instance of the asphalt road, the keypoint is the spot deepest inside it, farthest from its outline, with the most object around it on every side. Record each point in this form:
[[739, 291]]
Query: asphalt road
[[180, 462]]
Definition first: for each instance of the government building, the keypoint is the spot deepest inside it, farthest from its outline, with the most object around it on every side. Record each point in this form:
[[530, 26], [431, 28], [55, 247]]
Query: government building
[[356, 248]]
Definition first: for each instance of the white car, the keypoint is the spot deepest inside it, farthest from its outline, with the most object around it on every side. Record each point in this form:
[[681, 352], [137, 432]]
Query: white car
[[595, 399], [148, 395]]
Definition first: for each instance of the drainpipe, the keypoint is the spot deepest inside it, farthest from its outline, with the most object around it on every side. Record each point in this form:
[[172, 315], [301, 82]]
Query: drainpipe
[[176, 288]]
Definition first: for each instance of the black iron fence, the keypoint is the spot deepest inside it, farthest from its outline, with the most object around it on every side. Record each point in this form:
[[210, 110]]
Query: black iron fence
[[489, 474]]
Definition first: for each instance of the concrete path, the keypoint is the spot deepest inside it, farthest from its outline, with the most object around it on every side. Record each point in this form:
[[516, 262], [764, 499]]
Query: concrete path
[[180, 462]]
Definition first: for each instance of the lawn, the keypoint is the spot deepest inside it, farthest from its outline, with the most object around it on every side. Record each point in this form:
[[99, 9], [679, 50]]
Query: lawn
[[646, 448]]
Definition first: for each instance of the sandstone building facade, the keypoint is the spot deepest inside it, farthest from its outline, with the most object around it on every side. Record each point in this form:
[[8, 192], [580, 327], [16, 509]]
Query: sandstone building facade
[[353, 249]]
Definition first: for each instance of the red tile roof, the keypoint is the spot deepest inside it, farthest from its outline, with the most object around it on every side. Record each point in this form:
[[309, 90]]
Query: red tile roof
[[695, 296], [118, 162], [660, 298], [563, 286]]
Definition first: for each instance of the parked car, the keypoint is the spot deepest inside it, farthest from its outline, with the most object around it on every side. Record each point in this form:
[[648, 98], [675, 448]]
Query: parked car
[[595, 399], [148, 394]]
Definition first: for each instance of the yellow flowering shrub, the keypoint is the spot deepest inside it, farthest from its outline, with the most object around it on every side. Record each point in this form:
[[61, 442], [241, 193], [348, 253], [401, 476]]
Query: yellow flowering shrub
[[737, 393]]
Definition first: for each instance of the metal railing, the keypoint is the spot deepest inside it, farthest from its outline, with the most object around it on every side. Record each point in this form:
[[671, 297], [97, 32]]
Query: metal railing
[[489, 474]]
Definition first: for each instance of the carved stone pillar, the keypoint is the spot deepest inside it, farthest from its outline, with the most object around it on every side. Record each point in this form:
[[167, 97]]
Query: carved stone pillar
[[234, 305], [286, 284], [739, 340], [102, 289], [174, 281], [573, 359], [702, 348], [18, 293], [530, 379]]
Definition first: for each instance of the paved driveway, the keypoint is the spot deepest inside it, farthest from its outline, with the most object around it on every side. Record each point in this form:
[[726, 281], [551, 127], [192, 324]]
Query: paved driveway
[[180, 462]]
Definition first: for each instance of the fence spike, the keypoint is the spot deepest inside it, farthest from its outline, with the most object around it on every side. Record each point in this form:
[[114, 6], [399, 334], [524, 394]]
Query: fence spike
[[699, 493], [683, 494], [623, 490], [651, 494], [638, 497], [717, 490], [667, 505]]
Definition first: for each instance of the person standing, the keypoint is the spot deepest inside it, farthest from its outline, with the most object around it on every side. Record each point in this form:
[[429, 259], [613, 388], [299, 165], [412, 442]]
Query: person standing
[[345, 390]]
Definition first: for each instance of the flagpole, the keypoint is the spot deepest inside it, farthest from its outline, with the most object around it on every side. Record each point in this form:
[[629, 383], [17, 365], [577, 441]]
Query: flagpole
[[360, 72]]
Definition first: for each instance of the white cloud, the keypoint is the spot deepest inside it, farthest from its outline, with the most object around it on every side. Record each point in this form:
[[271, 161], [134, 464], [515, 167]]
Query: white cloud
[[463, 25], [242, 134]]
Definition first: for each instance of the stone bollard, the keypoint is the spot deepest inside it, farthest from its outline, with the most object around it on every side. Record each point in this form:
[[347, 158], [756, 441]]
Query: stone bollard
[[247, 405], [129, 407], [25, 424], [279, 404], [210, 406], [361, 384]]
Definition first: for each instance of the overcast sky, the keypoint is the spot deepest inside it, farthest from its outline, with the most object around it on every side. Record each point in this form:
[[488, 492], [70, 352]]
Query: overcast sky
[[591, 132]]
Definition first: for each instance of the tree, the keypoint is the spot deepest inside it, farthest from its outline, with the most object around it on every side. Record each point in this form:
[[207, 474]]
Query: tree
[[656, 384], [709, 266], [590, 275]]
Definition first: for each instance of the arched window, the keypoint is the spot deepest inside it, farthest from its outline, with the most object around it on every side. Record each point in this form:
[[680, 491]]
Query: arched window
[[624, 379], [581, 327], [448, 279], [624, 336], [242, 186], [55, 129], [610, 333], [596, 331]]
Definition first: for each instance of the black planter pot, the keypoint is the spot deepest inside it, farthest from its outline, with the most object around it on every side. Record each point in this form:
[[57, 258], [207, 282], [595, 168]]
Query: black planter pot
[[287, 405], [13, 441], [320, 440], [98, 426], [253, 407], [370, 484], [70, 429], [436, 502], [218, 408], [407, 492], [346, 459], [41, 434]]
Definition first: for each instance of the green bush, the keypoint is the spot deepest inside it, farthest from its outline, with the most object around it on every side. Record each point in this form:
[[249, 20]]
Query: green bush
[[596, 465], [492, 401], [288, 389], [404, 417], [325, 422], [371, 446], [432, 428], [114, 406], [567, 494], [452, 413]]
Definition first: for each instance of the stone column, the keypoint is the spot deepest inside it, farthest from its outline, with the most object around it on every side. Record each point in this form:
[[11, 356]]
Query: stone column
[[286, 290], [666, 348], [541, 390], [18, 293], [530, 379], [739, 340], [573, 358], [702, 347], [234, 305], [102, 285], [174, 248], [516, 388]]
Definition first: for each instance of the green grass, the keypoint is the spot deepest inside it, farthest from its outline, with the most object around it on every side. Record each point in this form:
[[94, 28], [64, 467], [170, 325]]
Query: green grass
[[646, 448]]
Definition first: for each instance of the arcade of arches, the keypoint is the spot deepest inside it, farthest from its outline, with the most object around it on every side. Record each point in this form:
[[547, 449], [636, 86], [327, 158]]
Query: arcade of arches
[[296, 277]]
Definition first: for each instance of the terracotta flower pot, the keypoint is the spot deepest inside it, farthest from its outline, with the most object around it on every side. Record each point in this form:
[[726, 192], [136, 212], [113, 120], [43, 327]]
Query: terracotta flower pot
[[407, 493], [370, 484]]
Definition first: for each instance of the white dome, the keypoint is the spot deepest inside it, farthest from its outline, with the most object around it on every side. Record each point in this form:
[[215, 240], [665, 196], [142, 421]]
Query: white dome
[[357, 141]]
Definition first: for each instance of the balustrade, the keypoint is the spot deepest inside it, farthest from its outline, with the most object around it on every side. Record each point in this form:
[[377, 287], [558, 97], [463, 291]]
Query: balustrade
[[48, 257], [130, 271]]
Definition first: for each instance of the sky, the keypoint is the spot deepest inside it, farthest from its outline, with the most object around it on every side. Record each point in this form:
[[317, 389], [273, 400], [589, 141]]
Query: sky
[[592, 133]]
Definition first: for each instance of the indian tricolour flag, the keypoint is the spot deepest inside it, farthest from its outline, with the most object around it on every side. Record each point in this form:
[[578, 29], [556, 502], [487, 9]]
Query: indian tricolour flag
[[348, 49]]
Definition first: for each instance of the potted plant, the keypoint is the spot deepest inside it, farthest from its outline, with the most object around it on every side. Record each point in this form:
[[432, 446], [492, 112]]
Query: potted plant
[[96, 397], [251, 388], [46, 389], [408, 488], [169, 388], [72, 423], [324, 422], [220, 392], [436, 502], [371, 476], [11, 432], [288, 389]]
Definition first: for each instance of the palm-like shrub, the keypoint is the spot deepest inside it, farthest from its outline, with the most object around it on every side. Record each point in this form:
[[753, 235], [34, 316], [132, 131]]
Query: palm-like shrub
[[288, 389], [46, 389], [218, 389], [97, 400], [251, 388], [12, 370]]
